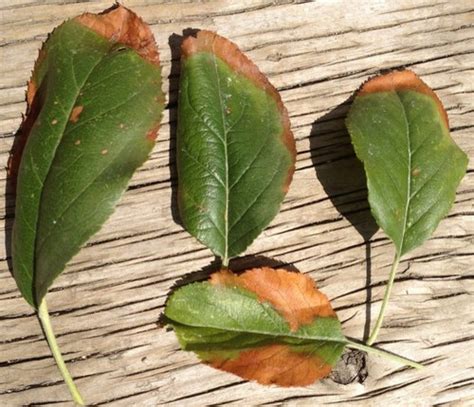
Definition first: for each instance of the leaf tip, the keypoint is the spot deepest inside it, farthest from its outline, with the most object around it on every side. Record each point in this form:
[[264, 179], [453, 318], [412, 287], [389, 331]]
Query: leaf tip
[[120, 24], [402, 80]]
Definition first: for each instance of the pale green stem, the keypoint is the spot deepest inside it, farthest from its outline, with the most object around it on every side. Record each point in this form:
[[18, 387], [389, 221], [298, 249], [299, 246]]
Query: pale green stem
[[388, 290], [382, 353], [225, 262], [53, 345]]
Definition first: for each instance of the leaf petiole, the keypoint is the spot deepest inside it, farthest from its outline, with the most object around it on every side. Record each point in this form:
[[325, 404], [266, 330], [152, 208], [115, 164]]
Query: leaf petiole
[[384, 354], [386, 297], [53, 345]]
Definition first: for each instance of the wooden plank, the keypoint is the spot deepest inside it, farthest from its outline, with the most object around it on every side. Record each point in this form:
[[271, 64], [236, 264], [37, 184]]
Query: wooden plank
[[106, 305]]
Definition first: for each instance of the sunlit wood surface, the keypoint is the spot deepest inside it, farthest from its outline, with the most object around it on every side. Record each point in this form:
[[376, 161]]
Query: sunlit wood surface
[[105, 307]]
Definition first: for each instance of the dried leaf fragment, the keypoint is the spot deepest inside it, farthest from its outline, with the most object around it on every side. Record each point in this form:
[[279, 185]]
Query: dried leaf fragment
[[122, 26], [274, 364]]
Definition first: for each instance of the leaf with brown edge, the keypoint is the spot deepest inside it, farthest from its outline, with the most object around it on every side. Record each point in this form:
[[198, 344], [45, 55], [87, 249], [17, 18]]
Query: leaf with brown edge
[[268, 325], [94, 107], [235, 149], [400, 132]]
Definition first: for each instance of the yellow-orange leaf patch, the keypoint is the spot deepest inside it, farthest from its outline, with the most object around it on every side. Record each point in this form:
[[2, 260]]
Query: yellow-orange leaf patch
[[275, 364]]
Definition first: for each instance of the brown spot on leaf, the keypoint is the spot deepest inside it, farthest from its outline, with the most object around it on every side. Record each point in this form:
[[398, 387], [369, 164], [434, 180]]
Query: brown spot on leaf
[[293, 295], [77, 142], [275, 364], [402, 80], [54, 121], [32, 86], [30, 91], [416, 172], [75, 113], [208, 41], [122, 25], [104, 151], [153, 132]]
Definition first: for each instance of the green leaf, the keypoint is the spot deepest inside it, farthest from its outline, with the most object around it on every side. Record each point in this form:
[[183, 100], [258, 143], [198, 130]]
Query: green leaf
[[400, 132], [235, 150], [269, 325], [95, 107]]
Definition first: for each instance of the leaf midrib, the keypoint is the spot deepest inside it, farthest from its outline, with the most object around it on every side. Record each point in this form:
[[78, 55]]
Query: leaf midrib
[[409, 177], [42, 182], [225, 259], [266, 333]]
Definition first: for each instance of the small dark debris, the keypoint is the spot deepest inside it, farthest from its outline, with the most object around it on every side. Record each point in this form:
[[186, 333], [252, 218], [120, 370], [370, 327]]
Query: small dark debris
[[351, 367]]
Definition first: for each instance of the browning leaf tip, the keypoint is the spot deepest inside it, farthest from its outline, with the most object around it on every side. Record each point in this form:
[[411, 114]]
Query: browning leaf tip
[[120, 24], [402, 80]]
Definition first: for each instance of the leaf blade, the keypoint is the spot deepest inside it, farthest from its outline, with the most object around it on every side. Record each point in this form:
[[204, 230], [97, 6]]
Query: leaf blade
[[235, 150], [67, 182], [400, 132], [233, 321]]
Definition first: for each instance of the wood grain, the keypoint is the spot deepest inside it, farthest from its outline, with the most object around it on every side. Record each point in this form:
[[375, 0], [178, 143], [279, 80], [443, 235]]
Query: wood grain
[[105, 307]]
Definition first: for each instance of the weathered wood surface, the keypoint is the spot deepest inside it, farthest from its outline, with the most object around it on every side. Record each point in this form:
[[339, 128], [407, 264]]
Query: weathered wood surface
[[106, 305]]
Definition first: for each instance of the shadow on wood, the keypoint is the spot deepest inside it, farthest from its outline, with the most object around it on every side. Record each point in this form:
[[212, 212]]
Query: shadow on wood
[[174, 42], [10, 187], [342, 176]]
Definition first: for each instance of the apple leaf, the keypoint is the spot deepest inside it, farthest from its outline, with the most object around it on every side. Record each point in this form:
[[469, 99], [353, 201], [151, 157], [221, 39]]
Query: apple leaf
[[94, 107], [235, 149], [268, 325], [400, 132]]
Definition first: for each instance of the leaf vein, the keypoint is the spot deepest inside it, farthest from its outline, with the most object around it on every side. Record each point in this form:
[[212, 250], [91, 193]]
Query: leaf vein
[[207, 170]]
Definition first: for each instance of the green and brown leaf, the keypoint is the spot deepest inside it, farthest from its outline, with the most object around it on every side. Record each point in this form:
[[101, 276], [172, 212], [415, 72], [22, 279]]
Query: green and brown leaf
[[268, 325], [235, 149], [400, 132], [94, 108]]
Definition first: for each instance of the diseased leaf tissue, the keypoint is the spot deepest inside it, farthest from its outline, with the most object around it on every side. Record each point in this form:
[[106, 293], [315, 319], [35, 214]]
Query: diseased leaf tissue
[[235, 162], [94, 108], [235, 151], [97, 104], [272, 326]]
